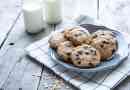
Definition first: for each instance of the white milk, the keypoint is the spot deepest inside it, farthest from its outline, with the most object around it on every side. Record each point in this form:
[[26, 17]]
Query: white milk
[[33, 17], [53, 11]]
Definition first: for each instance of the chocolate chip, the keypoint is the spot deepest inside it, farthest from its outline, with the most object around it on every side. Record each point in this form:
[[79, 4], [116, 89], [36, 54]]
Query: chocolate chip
[[101, 45], [72, 29], [86, 53], [94, 36], [79, 34], [113, 51], [90, 64], [90, 42], [80, 52], [94, 52], [91, 50], [76, 35], [105, 42], [68, 54], [102, 34], [79, 62], [77, 55]]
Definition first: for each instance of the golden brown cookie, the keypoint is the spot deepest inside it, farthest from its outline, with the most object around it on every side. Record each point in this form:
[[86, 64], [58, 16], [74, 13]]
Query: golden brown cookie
[[64, 51], [106, 46], [78, 35], [67, 31], [101, 33], [85, 56], [56, 39]]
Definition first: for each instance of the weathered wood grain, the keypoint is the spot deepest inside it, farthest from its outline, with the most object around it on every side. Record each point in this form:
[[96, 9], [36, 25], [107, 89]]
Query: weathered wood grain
[[50, 81], [115, 14], [16, 70], [20, 72], [9, 10], [32, 76]]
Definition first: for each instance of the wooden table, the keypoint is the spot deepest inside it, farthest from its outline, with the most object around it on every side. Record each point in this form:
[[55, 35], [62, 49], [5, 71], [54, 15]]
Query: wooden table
[[19, 72]]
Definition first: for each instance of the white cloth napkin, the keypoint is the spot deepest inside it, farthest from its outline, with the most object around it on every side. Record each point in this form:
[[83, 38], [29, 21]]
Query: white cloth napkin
[[97, 81]]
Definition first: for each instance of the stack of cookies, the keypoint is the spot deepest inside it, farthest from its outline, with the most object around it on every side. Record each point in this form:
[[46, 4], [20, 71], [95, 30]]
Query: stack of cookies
[[82, 49]]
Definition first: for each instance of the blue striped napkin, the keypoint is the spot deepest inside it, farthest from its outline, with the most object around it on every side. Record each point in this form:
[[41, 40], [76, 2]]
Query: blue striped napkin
[[97, 81]]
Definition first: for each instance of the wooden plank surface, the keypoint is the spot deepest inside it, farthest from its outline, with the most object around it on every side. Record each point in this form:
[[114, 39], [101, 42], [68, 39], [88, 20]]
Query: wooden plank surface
[[16, 67], [17, 71], [9, 10], [115, 14]]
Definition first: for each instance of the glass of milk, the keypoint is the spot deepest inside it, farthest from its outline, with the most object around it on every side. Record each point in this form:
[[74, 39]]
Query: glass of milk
[[33, 17], [53, 11]]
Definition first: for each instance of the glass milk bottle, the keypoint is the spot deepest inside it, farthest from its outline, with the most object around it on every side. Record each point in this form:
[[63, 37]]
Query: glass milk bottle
[[53, 11], [33, 16]]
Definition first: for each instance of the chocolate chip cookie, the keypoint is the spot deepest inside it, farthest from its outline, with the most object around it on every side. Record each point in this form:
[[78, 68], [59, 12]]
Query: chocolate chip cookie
[[106, 46], [101, 33], [56, 39], [85, 56], [78, 35], [64, 51]]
